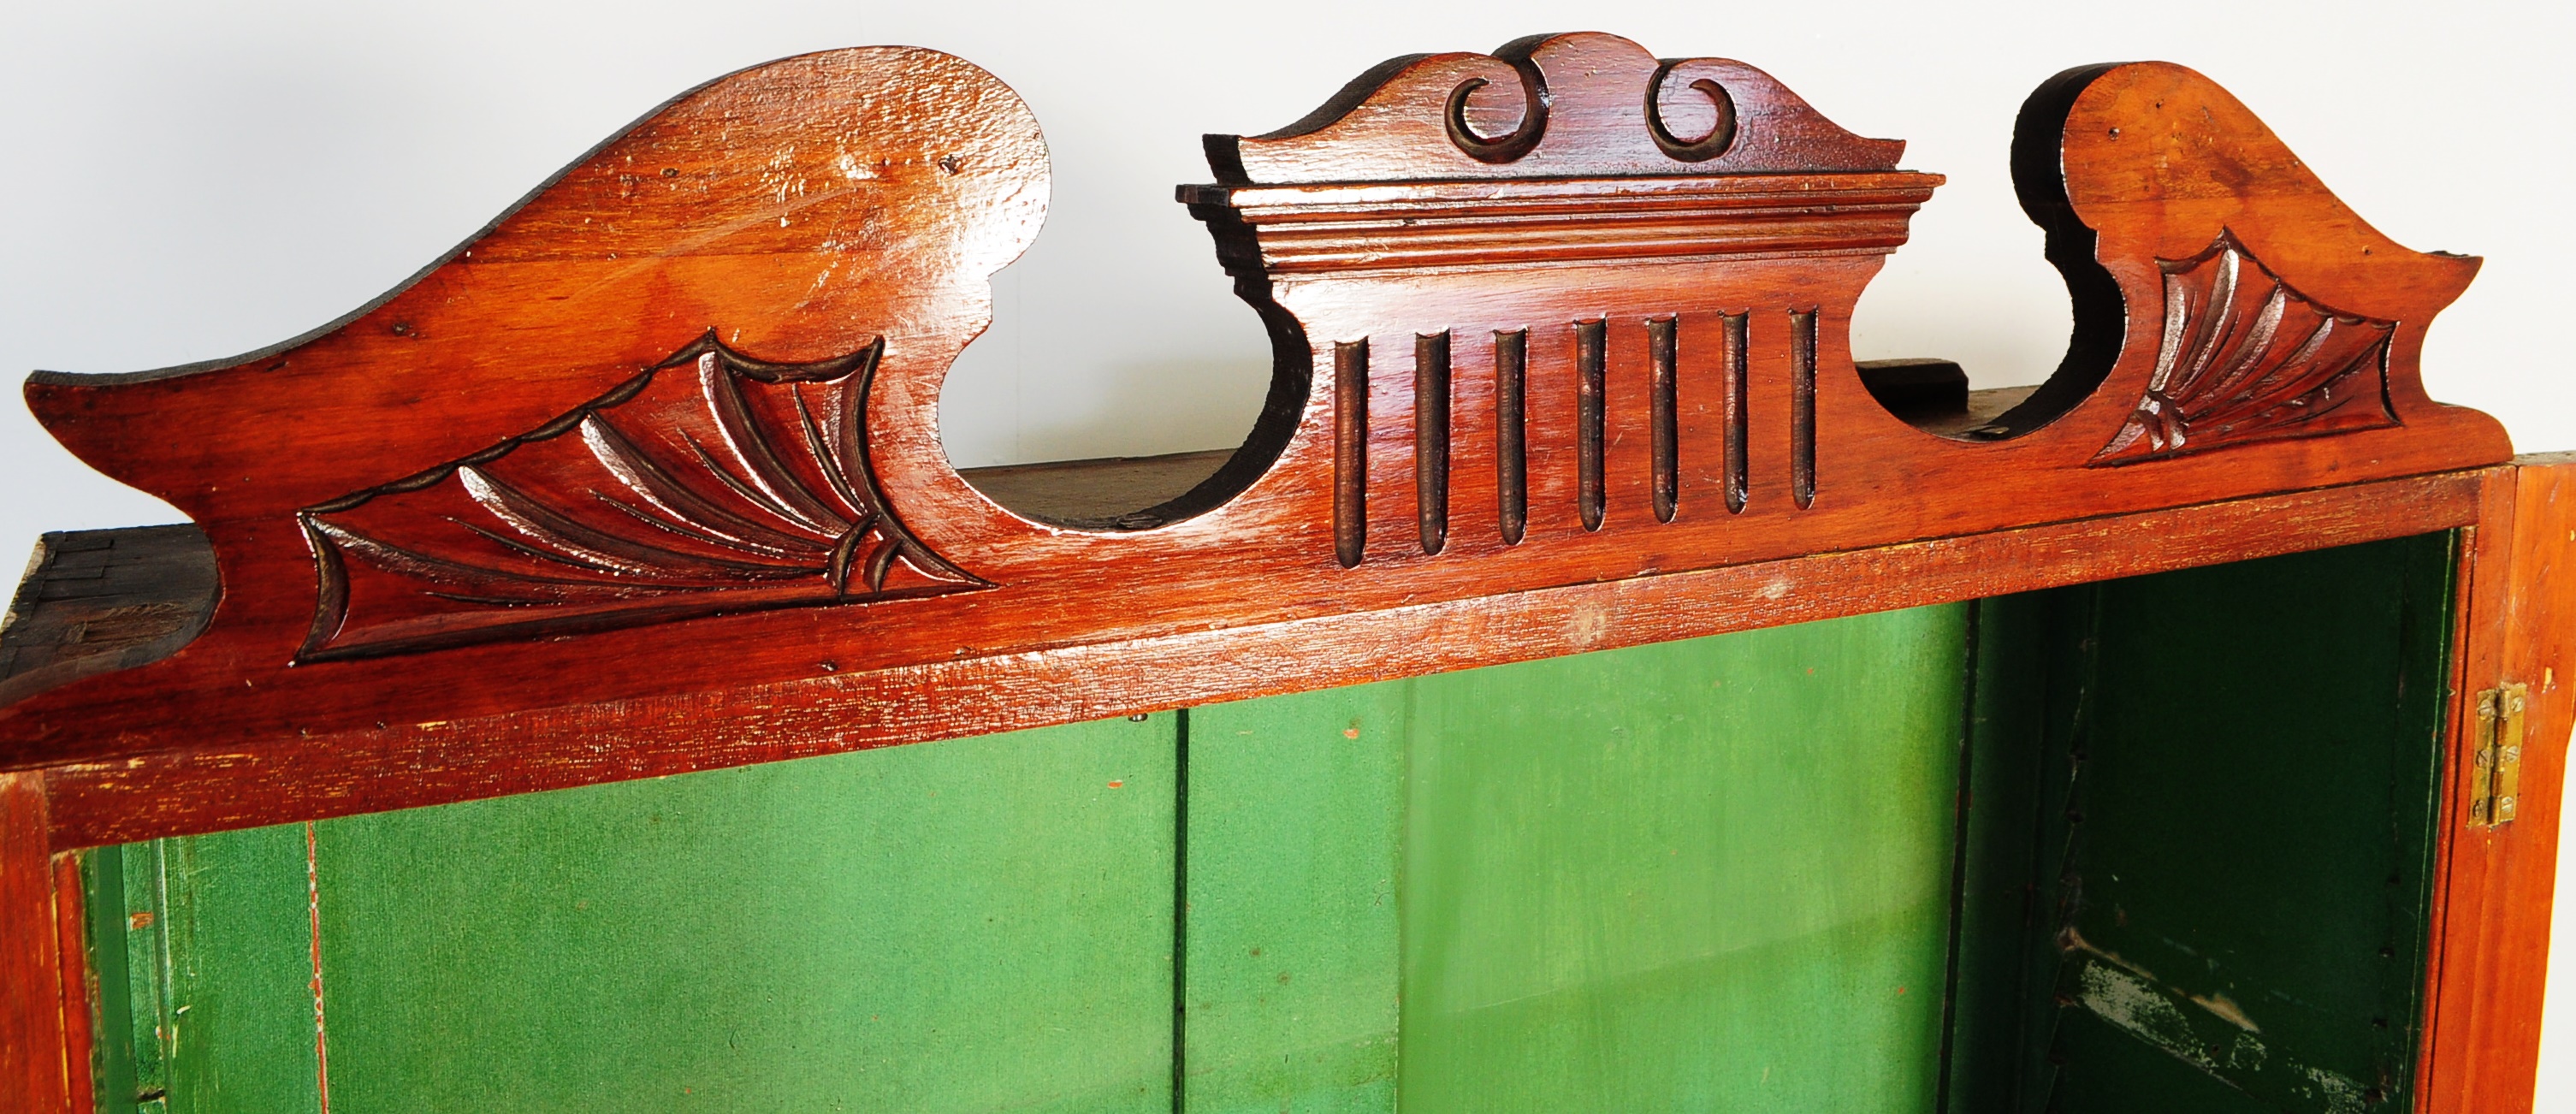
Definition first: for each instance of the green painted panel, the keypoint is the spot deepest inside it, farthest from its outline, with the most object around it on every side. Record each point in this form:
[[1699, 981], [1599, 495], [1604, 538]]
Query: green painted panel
[[1294, 816], [974, 925], [1706, 875], [240, 972], [2108, 1071], [118, 1075], [2220, 797], [204, 951], [2253, 789], [2003, 941]]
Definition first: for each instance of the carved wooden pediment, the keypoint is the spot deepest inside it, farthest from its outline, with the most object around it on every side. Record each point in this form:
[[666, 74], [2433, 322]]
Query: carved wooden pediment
[[1566, 314], [1550, 106], [645, 478]]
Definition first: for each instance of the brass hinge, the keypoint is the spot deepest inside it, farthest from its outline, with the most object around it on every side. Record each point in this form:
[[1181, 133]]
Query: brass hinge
[[2495, 781]]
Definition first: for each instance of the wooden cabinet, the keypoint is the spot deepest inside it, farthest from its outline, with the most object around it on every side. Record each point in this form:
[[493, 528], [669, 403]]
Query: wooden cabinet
[[1587, 690]]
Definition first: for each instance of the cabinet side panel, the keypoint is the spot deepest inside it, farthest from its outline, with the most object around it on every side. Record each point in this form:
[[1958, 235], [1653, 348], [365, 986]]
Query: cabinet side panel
[[36, 1043], [2243, 852], [2488, 978]]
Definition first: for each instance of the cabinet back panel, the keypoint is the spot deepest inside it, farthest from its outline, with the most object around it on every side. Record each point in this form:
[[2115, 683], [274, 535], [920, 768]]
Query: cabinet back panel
[[974, 925], [1708, 875], [1701, 875]]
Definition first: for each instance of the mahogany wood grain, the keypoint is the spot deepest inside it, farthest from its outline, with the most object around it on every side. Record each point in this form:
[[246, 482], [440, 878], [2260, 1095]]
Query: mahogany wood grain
[[35, 1064], [2491, 957], [406, 765], [645, 477], [77, 980], [1588, 105], [687, 392]]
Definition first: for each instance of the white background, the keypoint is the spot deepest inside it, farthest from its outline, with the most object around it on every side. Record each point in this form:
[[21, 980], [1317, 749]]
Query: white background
[[183, 182]]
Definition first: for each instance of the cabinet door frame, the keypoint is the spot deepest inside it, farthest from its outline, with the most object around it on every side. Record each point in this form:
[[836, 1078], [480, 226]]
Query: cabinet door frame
[[2493, 886]]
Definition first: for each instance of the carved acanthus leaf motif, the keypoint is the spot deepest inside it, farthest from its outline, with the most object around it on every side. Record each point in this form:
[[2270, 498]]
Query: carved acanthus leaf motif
[[711, 482], [2246, 358]]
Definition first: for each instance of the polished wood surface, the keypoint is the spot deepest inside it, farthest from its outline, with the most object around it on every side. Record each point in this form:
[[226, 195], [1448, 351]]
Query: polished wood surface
[[645, 477], [35, 1044], [2491, 960], [688, 395], [408, 765]]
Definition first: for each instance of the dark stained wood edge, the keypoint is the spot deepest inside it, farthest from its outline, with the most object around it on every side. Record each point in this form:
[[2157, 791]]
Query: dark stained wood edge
[[1100, 493], [407, 766], [96, 601], [34, 1042], [2486, 974]]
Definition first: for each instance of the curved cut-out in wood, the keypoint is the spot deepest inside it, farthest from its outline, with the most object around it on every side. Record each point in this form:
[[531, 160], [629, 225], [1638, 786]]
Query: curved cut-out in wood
[[2243, 357], [711, 482], [1646, 372]]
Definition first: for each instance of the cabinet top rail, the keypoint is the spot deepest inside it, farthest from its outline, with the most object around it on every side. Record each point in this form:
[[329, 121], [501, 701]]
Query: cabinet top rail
[[646, 476]]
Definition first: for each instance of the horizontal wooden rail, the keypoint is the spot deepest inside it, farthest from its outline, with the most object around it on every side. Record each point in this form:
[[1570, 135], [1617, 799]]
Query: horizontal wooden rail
[[268, 781]]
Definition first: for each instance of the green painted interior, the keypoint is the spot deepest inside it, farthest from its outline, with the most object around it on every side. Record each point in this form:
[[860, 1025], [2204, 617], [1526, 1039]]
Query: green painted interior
[[2221, 799], [973, 925], [216, 947], [1673, 877], [1725, 874], [1296, 810]]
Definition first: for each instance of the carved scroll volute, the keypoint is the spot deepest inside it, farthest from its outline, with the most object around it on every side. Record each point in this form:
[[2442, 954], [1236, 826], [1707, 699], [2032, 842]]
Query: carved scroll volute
[[2245, 302], [663, 372], [1585, 104]]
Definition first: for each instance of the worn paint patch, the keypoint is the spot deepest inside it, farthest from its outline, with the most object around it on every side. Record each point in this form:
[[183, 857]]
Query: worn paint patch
[[2185, 1028], [2226, 1009], [2145, 1012]]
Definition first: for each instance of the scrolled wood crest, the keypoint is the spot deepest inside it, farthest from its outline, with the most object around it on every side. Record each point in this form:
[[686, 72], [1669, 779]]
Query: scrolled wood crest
[[656, 390], [1562, 314], [1578, 105]]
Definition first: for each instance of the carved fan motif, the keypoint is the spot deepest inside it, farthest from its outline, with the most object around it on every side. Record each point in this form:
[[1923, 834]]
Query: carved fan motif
[[2246, 358], [711, 482]]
